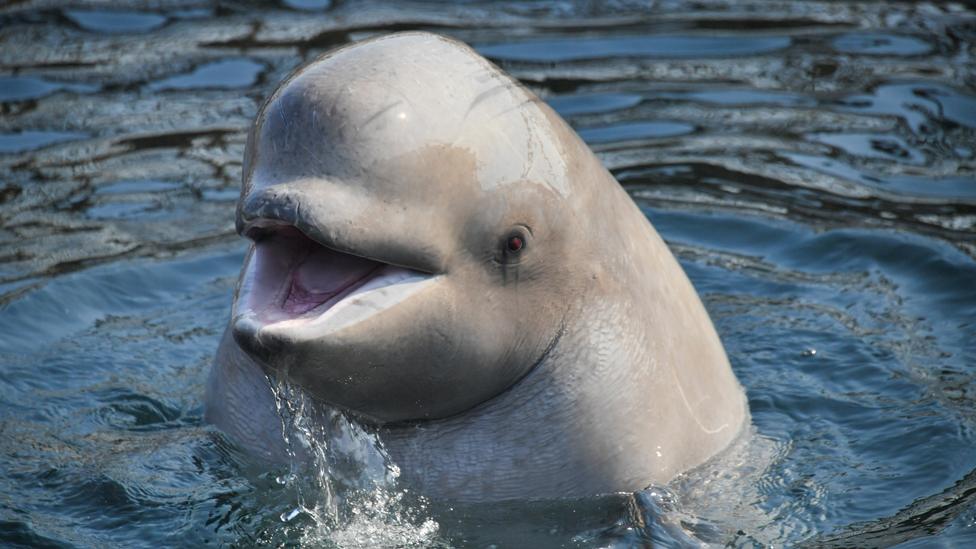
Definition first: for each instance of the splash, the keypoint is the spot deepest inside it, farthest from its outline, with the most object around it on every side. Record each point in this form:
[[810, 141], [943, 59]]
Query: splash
[[345, 484]]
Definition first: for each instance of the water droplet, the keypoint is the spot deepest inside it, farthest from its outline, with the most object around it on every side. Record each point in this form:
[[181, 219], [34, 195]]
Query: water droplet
[[288, 516]]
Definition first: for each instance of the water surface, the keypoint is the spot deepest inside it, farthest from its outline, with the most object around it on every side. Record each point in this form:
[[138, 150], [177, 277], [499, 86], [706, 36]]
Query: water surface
[[811, 165]]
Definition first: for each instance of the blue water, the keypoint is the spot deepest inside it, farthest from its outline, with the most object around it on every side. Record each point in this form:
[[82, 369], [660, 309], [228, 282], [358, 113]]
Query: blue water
[[812, 165]]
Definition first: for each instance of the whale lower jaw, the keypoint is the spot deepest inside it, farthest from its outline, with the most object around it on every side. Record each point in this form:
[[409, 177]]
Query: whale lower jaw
[[384, 290], [293, 287]]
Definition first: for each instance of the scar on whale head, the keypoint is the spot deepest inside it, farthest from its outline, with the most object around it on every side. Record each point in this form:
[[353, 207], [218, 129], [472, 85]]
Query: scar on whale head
[[437, 253]]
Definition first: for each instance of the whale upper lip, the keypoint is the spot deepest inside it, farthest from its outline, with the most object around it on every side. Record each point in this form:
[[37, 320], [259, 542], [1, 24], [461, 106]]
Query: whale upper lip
[[260, 228], [272, 209]]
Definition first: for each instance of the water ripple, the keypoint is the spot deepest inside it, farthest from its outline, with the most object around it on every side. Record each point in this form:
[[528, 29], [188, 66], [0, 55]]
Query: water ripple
[[811, 164]]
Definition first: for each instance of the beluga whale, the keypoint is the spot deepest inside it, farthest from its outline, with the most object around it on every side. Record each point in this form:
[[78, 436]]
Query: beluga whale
[[437, 254]]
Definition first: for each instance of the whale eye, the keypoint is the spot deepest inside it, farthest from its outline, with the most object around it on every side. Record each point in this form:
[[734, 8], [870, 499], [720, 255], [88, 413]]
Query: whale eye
[[511, 248], [515, 243]]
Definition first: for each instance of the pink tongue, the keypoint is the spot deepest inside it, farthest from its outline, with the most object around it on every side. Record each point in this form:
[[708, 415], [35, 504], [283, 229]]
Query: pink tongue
[[322, 275]]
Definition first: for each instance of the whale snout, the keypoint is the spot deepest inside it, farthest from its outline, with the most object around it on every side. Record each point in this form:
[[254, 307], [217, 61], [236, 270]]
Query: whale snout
[[264, 208]]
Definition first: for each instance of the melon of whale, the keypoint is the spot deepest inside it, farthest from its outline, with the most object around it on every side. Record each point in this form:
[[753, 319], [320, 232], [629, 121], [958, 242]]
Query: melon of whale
[[435, 252]]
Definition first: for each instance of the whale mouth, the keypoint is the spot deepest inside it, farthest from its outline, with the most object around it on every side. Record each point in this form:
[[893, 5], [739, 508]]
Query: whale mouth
[[293, 283], [321, 275]]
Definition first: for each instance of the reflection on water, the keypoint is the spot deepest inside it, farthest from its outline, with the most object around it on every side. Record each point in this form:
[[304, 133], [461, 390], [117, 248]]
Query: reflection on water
[[812, 165], [107, 21], [226, 75], [26, 141], [598, 47]]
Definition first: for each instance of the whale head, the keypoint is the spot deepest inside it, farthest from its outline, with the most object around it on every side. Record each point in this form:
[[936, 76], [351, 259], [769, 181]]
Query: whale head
[[415, 219]]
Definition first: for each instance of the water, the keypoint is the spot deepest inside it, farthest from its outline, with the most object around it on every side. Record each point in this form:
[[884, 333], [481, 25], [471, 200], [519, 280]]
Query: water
[[811, 164]]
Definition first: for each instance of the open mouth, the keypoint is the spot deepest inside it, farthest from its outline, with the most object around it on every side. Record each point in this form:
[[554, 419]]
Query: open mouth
[[291, 281], [321, 275]]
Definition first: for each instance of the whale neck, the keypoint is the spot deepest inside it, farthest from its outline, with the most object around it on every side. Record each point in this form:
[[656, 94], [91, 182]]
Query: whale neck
[[577, 425]]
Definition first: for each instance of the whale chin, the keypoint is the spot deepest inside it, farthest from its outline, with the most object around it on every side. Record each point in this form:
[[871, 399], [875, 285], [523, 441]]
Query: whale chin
[[296, 289]]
